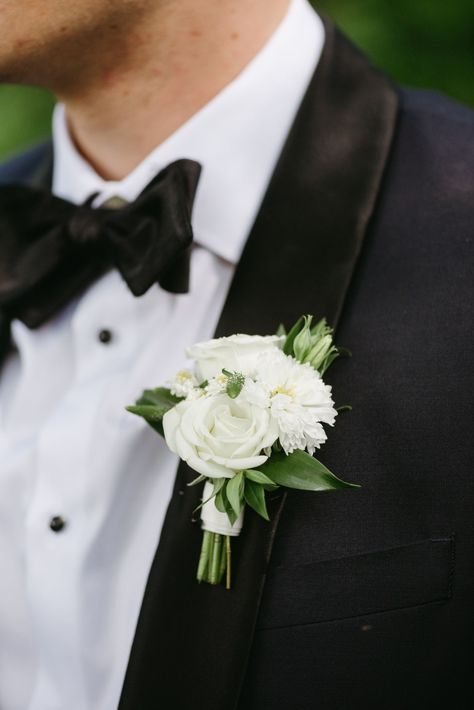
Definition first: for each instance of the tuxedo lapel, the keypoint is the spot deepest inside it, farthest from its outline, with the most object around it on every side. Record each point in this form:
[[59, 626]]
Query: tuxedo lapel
[[192, 641]]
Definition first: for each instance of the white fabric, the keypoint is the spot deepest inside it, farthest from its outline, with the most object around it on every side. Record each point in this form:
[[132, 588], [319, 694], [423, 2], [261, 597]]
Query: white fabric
[[215, 521], [69, 601]]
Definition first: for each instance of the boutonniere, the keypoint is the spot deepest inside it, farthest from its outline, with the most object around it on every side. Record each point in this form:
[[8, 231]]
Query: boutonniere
[[247, 418]]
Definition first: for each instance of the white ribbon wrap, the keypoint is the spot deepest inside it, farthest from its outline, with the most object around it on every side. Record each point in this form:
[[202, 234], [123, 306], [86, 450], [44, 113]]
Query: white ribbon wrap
[[213, 520]]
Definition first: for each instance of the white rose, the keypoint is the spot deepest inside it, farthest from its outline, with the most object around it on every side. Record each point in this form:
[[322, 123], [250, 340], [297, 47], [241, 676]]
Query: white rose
[[218, 436], [237, 353]]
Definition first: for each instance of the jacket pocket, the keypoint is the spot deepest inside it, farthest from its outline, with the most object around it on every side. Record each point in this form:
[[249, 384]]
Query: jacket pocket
[[367, 583]]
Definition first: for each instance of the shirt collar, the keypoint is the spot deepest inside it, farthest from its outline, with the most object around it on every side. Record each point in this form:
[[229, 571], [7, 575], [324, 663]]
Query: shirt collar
[[237, 137]]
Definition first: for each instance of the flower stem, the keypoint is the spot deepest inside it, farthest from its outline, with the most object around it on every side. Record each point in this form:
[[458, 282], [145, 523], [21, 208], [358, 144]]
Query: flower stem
[[228, 561], [211, 552], [216, 559], [223, 564], [204, 556]]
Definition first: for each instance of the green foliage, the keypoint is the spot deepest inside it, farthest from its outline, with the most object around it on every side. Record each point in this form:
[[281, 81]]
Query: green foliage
[[255, 498], [302, 471], [422, 43], [312, 344], [235, 492], [25, 117], [223, 503], [153, 405]]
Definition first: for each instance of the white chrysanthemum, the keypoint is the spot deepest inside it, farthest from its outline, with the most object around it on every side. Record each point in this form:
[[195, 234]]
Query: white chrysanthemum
[[256, 393], [299, 401], [183, 383]]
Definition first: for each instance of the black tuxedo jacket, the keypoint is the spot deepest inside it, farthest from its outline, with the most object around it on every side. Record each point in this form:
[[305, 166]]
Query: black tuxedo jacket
[[357, 598]]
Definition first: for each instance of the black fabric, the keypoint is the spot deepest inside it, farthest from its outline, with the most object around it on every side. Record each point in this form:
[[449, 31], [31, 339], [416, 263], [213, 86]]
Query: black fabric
[[301, 237], [359, 598], [51, 250], [408, 441], [374, 582]]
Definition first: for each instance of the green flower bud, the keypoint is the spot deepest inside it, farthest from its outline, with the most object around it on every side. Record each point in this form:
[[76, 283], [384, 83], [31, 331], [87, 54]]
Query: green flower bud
[[315, 345], [303, 341]]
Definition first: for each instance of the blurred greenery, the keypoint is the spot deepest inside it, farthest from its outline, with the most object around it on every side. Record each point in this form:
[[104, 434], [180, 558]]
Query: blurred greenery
[[25, 117], [426, 43], [423, 43]]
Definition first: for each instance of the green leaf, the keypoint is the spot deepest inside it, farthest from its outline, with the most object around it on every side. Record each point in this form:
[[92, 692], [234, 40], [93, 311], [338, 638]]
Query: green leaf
[[223, 505], [302, 471], [153, 405], [235, 492], [281, 330], [290, 338], [197, 480], [151, 414], [160, 397], [258, 477], [217, 485], [219, 501], [255, 497], [147, 411]]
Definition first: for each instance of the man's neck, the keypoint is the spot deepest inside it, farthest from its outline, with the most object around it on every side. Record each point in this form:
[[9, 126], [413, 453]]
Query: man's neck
[[162, 74]]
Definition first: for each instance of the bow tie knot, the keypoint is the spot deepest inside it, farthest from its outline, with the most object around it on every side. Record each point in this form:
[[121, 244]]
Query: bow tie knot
[[85, 226]]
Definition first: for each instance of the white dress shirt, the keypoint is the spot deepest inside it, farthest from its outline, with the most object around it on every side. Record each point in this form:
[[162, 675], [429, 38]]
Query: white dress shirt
[[70, 599]]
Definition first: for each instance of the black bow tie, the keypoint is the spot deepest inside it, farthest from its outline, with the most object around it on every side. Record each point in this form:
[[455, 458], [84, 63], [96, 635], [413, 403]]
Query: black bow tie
[[51, 250]]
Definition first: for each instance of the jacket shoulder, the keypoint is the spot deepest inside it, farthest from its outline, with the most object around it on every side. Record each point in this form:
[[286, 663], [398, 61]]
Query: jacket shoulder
[[435, 107], [28, 167], [433, 152], [440, 129]]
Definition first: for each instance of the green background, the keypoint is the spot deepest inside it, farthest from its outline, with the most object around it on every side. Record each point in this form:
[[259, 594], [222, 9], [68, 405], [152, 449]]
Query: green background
[[427, 43]]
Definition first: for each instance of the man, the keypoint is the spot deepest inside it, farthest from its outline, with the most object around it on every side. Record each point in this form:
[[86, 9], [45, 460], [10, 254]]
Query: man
[[323, 190]]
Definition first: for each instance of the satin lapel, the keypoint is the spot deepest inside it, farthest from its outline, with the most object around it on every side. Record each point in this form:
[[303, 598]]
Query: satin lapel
[[192, 641]]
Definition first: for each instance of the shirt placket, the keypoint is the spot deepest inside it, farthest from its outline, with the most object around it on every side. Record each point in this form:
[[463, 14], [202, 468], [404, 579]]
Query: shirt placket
[[60, 525]]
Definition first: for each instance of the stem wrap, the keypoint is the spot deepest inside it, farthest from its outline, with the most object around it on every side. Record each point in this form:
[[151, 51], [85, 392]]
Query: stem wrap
[[213, 520]]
